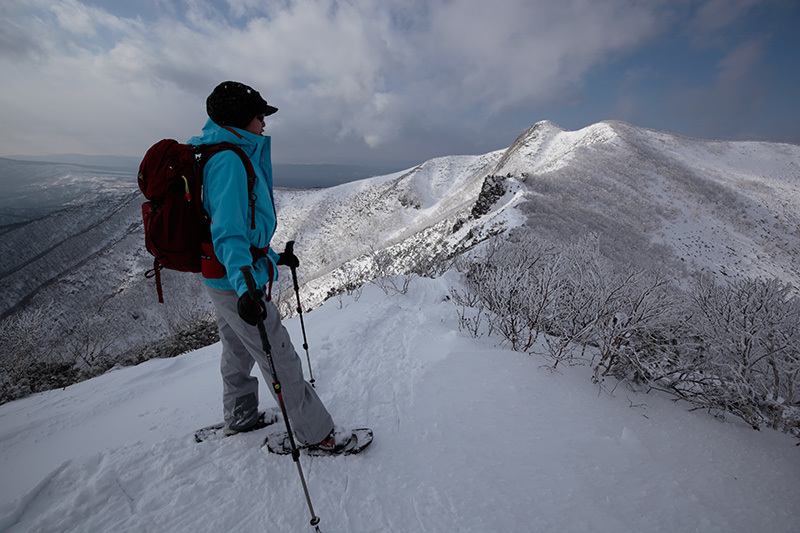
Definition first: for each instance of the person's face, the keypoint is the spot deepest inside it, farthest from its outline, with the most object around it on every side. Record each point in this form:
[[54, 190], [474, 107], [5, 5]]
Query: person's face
[[256, 125]]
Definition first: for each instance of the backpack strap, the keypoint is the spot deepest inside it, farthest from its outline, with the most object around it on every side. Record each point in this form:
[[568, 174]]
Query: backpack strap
[[156, 273], [212, 267], [207, 151]]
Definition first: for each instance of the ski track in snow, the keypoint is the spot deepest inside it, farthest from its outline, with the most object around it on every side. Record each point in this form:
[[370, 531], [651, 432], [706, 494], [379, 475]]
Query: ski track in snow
[[468, 437]]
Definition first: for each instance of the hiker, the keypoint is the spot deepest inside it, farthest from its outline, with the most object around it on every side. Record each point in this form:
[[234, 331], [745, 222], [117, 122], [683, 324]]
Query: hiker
[[241, 231]]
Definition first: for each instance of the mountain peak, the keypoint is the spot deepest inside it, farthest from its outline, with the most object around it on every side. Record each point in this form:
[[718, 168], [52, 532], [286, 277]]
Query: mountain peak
[[545, 146]]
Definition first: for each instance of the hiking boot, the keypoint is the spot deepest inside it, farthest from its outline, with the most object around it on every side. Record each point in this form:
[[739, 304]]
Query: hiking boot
[[328, 444], [336, 441], [250, 424]]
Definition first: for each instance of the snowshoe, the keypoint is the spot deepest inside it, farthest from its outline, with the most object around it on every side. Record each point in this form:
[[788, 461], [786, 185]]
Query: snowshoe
[[346, 444], [217, 431]]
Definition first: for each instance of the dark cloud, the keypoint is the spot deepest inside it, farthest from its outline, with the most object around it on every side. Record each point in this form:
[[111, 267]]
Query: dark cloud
[[355, 81]]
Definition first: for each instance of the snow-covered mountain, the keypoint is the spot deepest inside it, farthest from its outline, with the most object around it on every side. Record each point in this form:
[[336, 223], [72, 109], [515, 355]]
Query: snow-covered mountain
[[731, 208]]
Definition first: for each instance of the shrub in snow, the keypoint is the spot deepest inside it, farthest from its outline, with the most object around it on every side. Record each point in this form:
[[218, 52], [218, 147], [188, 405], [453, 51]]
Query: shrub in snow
[[729, 347], [33, 359], [750, 331], [514, 279], [383, 267], [88, 340], [192, 336], [636, 310], [29, 361]]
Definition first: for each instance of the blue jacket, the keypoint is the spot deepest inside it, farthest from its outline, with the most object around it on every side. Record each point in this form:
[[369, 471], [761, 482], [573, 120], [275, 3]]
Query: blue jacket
[[226, 202]]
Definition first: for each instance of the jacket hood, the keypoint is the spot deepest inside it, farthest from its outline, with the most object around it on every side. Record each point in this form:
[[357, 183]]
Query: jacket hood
[[213, 133]]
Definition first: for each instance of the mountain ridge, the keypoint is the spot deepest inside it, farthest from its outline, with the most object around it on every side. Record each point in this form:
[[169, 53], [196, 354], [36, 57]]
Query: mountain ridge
[[655, 200], [675, 177]]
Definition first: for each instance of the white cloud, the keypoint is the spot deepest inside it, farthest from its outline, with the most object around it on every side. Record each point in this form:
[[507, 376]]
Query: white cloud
[[506, 54], [357, 73], [75, 17]]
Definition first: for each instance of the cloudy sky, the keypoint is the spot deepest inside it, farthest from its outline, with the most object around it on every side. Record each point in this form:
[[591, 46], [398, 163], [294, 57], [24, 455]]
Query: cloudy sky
[[393, 82]]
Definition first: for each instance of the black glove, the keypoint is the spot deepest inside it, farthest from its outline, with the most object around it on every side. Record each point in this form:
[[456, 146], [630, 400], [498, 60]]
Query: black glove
[[289, 259], [251, 311]]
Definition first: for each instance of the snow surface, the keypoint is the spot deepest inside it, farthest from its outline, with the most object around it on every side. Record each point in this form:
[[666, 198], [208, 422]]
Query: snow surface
[[469, 437]]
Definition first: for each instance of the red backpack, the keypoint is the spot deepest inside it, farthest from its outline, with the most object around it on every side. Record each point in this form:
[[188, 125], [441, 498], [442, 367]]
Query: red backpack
[[175, 224]]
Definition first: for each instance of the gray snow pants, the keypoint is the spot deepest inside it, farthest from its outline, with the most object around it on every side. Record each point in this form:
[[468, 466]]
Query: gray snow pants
[[241, 349]]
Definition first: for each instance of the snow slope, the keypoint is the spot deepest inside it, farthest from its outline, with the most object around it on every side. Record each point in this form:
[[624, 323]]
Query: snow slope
[[654, 199], [469, 437]]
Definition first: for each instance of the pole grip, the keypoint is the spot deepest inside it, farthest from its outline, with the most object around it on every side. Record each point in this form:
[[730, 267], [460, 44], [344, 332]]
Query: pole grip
[[289, 247]]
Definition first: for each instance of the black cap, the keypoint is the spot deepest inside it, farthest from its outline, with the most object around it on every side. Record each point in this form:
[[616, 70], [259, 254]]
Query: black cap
[[235, 104]]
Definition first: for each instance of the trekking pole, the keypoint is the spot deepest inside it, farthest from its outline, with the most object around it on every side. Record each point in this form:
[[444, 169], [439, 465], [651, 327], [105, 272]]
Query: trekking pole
[[276, 386], [290, 250]]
